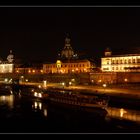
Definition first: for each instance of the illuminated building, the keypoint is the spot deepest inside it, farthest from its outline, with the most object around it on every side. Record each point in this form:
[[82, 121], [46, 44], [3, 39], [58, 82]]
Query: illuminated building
[[7, 66], [29, 69], [68, 62], [120, 63], [73, 66]]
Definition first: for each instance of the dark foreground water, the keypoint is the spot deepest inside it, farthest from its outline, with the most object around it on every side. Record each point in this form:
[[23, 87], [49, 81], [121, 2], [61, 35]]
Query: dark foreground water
[[25, 115]]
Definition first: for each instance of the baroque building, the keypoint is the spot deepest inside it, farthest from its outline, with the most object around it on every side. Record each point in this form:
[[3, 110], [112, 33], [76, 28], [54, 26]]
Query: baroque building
[[8, 65], [120, 63], [68, 62]]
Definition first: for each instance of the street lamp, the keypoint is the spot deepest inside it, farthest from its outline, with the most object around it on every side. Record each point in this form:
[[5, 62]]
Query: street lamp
[[104, 85]]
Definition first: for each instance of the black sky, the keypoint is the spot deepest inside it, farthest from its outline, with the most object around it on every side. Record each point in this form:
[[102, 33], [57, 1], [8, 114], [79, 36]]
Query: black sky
[[39, 32]]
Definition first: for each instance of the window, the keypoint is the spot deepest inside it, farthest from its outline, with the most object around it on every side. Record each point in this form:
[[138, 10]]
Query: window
[[138, 60], [129, 61], [125, 61], [107, 62]]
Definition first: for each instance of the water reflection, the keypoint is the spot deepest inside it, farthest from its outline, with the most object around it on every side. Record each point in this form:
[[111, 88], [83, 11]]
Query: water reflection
[[121, 113], [38, 105], [8, 100]]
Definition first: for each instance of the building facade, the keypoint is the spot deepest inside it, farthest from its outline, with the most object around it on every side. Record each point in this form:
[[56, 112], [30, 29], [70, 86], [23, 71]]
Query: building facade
[[120, 63], [73, 66], [7, 66], [68, 62]]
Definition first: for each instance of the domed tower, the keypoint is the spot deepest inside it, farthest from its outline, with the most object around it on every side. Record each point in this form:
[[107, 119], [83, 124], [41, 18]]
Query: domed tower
[[10, 57], [108, 52], [67, 51]]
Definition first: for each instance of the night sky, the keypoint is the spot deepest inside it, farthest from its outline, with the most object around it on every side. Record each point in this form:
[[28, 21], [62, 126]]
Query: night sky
[[38, 33]]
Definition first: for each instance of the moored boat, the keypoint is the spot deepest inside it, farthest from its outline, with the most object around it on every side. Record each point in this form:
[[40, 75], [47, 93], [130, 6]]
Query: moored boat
[[87, 103]]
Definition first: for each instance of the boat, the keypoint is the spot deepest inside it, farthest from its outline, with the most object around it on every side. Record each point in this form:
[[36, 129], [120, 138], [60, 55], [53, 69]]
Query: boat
[[72, 100]]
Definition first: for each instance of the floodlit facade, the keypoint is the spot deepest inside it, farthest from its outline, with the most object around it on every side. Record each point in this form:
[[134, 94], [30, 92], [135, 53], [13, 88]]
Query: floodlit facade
[[73, 66], [120, 63], [68, 62], [7, 66]]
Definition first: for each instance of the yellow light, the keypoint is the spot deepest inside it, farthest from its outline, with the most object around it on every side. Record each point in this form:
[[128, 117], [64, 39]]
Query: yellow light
[[41, 71], [125, 79], [29, 71], [17, 71], [39, 86], [70, 83], [40, 105], [35, 94], [40, 95], [35, 104], [104, 85], [63, 83], [33, 71], [122, 111]]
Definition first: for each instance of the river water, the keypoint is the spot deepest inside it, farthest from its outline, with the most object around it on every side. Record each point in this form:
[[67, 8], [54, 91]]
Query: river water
[[19, 114]]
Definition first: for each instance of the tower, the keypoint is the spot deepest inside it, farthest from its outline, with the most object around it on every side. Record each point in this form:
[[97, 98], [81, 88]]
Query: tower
[[10, 57], [67, 51], [108, 52]]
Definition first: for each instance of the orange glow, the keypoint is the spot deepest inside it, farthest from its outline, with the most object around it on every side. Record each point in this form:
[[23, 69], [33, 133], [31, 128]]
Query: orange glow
[[33, 71], [41, 71], [29, 71], [17, 71]]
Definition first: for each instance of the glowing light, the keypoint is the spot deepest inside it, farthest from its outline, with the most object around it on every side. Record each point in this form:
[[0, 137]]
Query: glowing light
[[104, 85], [41, 71], [40, 95], [122, 111], [99, 81], [22, 76], [26, 80], [6, 79], [70, 83], [29, 71], [17, 71], [39, 86], [40, 105], [33, 71], [32, 90], [35, 105], [35, 94], [125, 79], [73, 80], [45, 112], [63, 84], [45, 84]]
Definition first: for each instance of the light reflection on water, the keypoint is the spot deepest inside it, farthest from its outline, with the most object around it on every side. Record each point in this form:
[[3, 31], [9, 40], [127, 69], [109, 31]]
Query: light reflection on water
[[8, 100], [121, 113], [37, 105]]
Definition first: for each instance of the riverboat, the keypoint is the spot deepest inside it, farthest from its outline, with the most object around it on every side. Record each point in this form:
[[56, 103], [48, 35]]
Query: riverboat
[[70, 99]]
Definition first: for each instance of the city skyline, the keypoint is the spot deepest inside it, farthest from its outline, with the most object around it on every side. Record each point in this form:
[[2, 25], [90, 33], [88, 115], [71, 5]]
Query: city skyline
[[39, 33]]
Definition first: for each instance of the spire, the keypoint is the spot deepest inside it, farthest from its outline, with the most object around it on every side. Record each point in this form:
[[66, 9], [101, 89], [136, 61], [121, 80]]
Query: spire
[[108, 52], [67, 51], [10, 51], [10, 57]]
